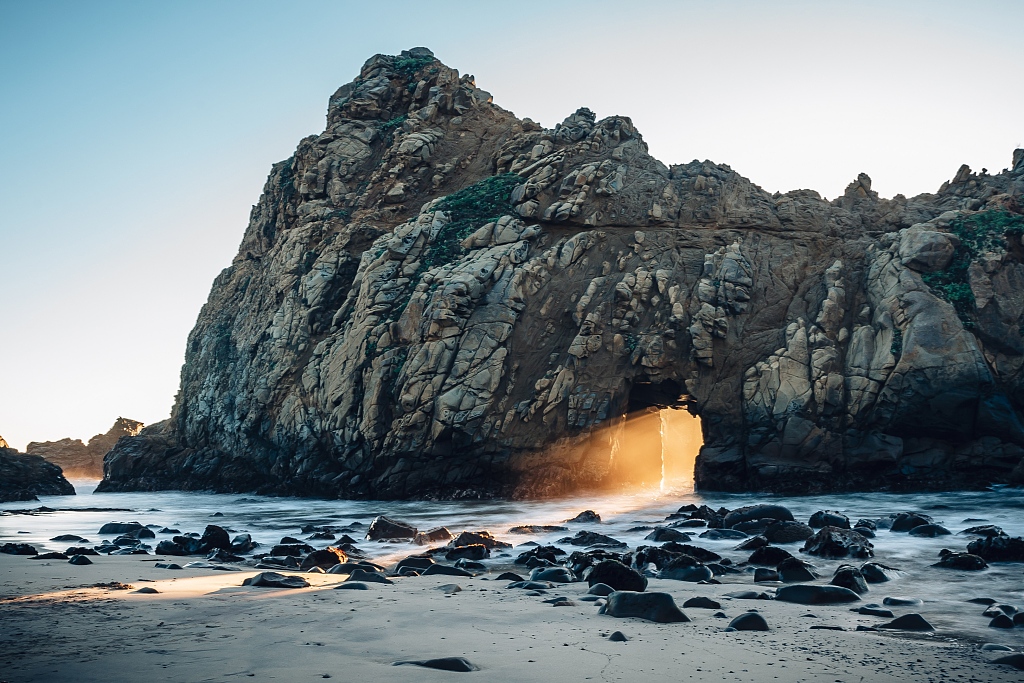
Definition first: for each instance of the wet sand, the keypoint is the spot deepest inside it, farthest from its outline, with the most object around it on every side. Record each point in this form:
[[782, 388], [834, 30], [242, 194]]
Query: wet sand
[[204, 626]]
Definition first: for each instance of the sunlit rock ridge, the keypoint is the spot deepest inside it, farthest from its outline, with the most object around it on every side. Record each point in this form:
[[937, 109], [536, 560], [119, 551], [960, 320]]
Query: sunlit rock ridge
[[434, 297]]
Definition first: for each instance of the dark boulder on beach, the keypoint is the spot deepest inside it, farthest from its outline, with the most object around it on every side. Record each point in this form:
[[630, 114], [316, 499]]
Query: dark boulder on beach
[[79, 560], [438, 534], [657, 607], [215, 538], [477, 551], [455, 664], [850, 577], [998, 549], [875, 572], [749, 621], [663, 534], [788, 532], [275, 580], [590, 538], [617, 575], [552, 574], [816, 595], [325, 559], [909, 622], [685, 568], [795, 570], [385, 528], [119, 528], [537, 529], [961, 561], [585, 517], [757, 512], [835, 543], [702, 602], [18, 549], [444, 570], [905, 521], [769, 556], [823, 518], [483, 538]]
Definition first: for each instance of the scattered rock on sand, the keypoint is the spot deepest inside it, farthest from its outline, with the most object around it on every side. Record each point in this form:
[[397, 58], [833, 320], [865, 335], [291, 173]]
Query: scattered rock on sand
[[702, 602], [874, 610], [552, 574], [49, 556], [275, 580], [1001, 621], [749, 621], [79, 560], [816, 595], [835, 543], [909, 622], [603, 589], [458, 664], [147, 590], [352, 586], [763, 574], [616, 575], [438, 534], [367, 577], [18, 549], [509, 576], [685, 568], [658, 607], [450, 588], [618, 637], [795, 570], [383, 528], [1014, 660], [850, 577], [444, 570], [898, 601]]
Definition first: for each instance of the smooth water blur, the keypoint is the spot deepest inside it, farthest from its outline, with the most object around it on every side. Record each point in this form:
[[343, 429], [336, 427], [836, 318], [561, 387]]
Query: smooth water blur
[[268, 519]]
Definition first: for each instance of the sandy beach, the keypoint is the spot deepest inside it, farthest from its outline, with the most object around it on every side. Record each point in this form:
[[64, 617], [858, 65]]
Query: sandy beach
[[204, 625]]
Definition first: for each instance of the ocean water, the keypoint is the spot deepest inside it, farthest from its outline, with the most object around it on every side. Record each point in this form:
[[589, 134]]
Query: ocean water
[[268, 519]]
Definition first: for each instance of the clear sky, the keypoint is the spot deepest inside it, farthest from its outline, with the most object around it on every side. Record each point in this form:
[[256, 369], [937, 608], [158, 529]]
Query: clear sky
[[135, 136]]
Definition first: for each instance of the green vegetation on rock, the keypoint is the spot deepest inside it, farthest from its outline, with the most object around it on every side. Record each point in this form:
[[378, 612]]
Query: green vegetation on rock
[[467, 210], [981, 232]]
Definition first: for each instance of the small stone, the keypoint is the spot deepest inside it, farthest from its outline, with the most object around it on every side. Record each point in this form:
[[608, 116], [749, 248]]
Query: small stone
[[618, 637], [909, 622], [750, 621]]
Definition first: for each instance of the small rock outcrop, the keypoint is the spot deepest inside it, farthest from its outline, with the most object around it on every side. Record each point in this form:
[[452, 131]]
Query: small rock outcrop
[[84, 460], [437, 298], [23, 477]]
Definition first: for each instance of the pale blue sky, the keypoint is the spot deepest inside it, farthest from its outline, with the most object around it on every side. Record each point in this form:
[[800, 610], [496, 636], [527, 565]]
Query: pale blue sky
[[135, 136]]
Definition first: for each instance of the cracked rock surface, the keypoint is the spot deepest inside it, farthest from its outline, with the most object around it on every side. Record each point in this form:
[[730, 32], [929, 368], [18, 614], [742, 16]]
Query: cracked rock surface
[[436, 298]]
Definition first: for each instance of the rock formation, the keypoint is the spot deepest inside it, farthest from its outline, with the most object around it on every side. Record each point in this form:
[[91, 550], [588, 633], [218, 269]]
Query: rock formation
[[23, 477], [436, 298], [78, 459]]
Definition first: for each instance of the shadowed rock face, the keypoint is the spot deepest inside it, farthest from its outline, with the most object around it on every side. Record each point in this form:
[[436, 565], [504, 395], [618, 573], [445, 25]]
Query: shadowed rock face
[[23, 477], [78, 459], [435, 298]]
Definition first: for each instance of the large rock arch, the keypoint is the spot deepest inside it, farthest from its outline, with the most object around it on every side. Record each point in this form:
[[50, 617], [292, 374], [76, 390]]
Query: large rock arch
[[378, 335]]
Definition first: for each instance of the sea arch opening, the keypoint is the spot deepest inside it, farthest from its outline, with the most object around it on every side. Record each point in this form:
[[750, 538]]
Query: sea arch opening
[[658, 438]]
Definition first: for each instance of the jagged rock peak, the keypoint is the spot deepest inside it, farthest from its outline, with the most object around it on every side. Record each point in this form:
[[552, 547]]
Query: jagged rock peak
[[436, 298]]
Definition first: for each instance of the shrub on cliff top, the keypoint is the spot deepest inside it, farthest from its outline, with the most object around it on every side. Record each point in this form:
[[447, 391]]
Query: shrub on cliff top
[[469, 209]]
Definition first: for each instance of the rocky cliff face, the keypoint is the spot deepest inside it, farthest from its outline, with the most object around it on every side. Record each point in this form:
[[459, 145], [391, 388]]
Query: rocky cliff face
[[23, 477], [79, 459], [435, 298]]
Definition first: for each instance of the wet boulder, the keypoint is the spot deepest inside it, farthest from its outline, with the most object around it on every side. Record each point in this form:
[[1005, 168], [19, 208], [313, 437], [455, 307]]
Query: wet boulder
[[752, 543], [702, 554], [456, 664], [756, 512], [18, 549], [215, 538], [483, 538], [438, 534], [325, 559], [875, 572], [222, 556], [795, 570], [476, 551], [960, 561], [930, 531], [663, 534], [905, 521], [166, 547], [590, 538], [657, 607], [823, 518], [242, 543], [119, 528], [763, 574], [749, 621], [834, 543], [79, 560], [685, 568], [702, 602], [985, 531], [617, 575], [724, 534], [292, 549], [769, 556], [804, 594], [548, 553], [536, 529], [585, 517], [909, 622], [366, 576], [275, 580], [552, 574], [998, 549], [1015, 660], [384, 528], [850, 577], [787, 532], [444, 570], [714, 518]]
